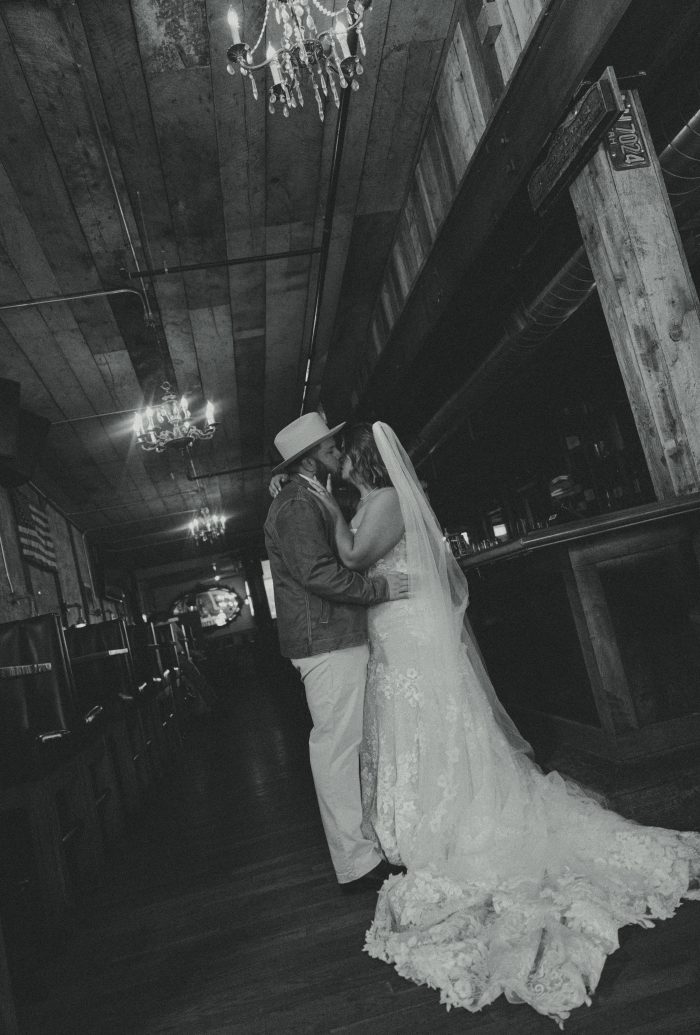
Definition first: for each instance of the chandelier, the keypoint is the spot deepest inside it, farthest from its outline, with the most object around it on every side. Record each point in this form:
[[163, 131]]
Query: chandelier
[[168, 423], [305, 54], [206, 527]]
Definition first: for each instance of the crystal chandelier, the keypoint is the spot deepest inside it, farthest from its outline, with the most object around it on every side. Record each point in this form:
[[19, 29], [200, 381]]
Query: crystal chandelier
[[305, 54], [205, 526], [168, 423]]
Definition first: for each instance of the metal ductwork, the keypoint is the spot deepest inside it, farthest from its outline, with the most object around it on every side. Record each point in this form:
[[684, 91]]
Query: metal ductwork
[[532, 323]]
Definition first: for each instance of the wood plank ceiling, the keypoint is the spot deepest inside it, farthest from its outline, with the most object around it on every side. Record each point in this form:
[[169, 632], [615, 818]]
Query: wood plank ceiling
[[126, 147]]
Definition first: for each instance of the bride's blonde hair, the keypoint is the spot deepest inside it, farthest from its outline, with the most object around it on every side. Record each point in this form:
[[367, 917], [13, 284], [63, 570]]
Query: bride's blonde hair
[[359, 445]]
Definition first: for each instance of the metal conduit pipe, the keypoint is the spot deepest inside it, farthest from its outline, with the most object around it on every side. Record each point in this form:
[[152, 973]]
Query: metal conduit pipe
[[24, 303], [530, 324]]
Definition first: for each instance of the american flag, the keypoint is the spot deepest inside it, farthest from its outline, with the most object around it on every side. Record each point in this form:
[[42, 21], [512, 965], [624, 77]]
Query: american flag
[[34, 533]]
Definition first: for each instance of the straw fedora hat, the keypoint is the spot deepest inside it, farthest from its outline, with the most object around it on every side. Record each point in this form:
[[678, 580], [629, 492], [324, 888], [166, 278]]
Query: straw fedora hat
[[301, 436]]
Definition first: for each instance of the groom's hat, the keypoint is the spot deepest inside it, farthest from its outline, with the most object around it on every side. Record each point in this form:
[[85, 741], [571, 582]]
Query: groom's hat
[[301, 436]]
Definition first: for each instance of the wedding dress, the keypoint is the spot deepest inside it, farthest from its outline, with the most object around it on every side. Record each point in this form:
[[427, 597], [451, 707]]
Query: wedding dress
[[517, 881]]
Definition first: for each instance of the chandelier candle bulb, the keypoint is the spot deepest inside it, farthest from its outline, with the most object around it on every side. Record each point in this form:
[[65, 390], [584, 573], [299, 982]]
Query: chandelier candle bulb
[[342, 36], [233, 23], [274, 65], [209, 413]]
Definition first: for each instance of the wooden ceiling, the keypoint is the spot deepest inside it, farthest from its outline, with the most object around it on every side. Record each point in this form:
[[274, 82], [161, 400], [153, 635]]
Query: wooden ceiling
[[126, 150]]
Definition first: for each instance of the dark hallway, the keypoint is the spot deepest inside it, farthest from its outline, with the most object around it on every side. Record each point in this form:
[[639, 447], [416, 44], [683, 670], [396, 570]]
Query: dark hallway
[[219, 913]]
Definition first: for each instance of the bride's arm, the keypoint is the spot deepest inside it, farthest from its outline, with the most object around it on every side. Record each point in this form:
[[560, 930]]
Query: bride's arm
[[380, 529]]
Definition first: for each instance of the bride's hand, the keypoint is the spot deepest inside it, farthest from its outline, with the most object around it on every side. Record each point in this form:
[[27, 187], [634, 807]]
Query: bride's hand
[[277, 483], [327, 498]]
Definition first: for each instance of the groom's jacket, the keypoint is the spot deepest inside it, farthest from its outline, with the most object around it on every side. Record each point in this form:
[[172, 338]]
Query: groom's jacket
[[320, 604]]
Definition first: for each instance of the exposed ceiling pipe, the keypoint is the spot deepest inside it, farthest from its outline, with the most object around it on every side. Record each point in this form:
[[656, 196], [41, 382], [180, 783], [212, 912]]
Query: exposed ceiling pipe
[[327, 230], [529, 325], [79, 296], [228, 470], [223, 262]]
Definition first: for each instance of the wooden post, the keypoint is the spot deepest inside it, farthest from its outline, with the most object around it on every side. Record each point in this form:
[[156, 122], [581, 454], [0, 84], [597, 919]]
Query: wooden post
[[648, 296]]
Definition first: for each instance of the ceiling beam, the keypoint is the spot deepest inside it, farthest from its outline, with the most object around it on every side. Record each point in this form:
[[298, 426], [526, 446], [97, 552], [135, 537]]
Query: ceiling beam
[[565, 44]]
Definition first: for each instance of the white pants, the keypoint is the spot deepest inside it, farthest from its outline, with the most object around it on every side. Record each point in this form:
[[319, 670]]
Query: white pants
[[335, 691]]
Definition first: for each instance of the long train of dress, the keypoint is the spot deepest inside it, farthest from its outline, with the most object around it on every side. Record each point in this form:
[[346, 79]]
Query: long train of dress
[[517, 881]]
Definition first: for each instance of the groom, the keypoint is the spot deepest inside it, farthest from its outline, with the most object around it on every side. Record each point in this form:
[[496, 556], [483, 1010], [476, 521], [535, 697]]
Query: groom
[[322, 626]]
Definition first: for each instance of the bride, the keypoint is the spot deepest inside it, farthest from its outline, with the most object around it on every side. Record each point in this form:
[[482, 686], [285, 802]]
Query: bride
[[517, 881]]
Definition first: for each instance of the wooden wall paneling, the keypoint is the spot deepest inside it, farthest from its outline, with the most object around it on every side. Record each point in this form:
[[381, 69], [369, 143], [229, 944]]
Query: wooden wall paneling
[[525, 14], [360, 116], [463, 118], [12, 581], [470, 71], [398, 260], [392, 284], [508, 44], [459, 103], [454, 152], [472, 55], [386, 303], [427, 202], [380, 325], [565, 46], [432, 172], [405, 240], [397, 124], [417, 227], [82, 569], [379, 135], [68, 576], [407, 75]]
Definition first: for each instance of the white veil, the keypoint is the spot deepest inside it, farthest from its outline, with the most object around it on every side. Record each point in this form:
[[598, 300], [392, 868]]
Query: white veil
[[438, 585]]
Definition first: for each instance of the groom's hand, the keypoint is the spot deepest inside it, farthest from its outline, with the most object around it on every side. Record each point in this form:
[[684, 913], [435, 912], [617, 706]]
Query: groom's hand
[[397, 582]]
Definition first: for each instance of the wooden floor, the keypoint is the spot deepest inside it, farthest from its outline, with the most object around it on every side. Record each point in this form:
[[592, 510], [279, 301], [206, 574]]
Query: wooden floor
[[220, 913]]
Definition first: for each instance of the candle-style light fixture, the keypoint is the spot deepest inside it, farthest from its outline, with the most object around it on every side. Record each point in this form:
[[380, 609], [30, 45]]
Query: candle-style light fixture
[[323, 58], [168, 423], [205, 527]]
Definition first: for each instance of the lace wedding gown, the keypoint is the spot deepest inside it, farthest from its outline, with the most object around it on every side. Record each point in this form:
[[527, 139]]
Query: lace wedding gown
[[517, 881]]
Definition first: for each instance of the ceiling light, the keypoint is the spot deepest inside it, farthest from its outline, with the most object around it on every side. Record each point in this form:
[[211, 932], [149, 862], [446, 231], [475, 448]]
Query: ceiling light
[[205, 526], [168, 423], [304, 55]]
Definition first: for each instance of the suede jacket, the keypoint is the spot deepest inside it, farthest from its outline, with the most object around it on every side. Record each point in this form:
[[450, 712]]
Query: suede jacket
[[321, 605]]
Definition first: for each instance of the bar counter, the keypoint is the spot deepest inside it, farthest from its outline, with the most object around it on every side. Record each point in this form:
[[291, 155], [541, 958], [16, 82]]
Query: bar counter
[[593, 628]]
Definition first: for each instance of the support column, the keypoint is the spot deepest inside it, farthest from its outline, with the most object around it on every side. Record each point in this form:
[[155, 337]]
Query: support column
[[647, 294]]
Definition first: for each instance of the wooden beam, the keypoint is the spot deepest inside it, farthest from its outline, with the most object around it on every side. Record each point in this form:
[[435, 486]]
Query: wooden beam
[[648, 296], [566, 41]]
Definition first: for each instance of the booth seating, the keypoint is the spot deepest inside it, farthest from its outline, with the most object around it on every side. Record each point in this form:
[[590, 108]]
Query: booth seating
[[83, 736], [194, 693], [156, 678], [45, 789], [104, 676]]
